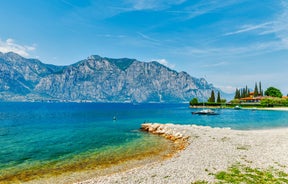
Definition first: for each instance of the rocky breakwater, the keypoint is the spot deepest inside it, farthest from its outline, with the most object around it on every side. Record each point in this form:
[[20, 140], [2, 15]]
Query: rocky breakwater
[[168, 131]]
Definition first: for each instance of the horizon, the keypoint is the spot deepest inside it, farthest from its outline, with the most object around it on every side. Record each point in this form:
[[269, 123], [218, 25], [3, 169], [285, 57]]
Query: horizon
[[230, 44]]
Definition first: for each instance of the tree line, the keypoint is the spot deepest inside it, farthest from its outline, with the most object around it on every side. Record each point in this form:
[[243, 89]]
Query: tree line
[[273, 96], [258, 91], [245, 92], [211, 100]]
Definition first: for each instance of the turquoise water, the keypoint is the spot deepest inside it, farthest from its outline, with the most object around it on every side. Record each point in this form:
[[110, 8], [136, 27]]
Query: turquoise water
[[62, 136]]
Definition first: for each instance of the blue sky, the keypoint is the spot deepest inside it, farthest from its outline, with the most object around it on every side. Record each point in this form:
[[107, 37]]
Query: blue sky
[[230, 43]]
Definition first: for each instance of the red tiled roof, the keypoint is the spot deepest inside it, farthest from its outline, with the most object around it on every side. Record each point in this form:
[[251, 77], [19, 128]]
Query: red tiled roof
[[253, 98]]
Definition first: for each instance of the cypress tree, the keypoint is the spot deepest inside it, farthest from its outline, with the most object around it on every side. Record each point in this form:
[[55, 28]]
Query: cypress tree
[[218, 97], [242, 93], [246, 91], [256, 93], [260, 89], [212, 98], [237, 94]]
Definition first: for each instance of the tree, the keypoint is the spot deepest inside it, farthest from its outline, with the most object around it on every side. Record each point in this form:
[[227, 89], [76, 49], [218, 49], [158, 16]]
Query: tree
[[243, 93], [274, 92], [237, 94], [218, 97], [270, 102], [235, 101], [267, 102], [260, 89], [247, 91], [224, 101], [194, 101], [256, 93], [212, 98]]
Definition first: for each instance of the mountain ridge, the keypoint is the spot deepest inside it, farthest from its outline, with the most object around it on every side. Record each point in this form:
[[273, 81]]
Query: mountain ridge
[[97, 79]]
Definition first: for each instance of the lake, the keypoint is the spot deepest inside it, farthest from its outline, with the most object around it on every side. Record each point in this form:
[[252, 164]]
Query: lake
[[46, 139]]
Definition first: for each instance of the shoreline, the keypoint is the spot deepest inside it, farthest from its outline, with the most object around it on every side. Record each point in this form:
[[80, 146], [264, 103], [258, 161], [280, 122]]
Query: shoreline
[[243, 108], [274, 108], [207, 150], [161, 149]]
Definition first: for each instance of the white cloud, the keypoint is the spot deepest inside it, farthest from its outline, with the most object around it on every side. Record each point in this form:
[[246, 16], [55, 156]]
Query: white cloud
[[111, 35], [247, 28], [277, 27], [223, 63], [11, 46], [165, 63], [204, 7], [146, 37], [280, 27], [152, 4], [68, 3], [251, 49]]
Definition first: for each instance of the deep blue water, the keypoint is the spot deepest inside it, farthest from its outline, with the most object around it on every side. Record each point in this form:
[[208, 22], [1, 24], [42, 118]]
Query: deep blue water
[[39, 132]]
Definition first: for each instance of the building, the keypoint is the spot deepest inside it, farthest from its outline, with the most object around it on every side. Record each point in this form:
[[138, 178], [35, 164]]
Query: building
[[252, 98]]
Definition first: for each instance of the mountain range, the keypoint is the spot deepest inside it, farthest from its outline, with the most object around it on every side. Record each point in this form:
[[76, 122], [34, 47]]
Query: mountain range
[[97, 79]]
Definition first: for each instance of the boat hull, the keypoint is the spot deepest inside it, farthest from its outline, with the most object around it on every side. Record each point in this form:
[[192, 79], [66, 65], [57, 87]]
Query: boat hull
[[203, 113]]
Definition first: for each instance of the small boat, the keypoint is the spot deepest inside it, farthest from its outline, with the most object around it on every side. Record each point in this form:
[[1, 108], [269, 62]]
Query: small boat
[[206, 112], [237, 107]]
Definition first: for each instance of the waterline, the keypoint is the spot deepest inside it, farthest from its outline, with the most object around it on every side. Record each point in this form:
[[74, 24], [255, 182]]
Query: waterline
[[148, 146]]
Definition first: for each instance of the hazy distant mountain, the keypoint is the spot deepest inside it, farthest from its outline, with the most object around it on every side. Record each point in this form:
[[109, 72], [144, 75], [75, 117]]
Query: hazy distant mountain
[[96, 79]]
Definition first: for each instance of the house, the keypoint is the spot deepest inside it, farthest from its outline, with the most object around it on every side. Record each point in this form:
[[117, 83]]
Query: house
[[252, 98]]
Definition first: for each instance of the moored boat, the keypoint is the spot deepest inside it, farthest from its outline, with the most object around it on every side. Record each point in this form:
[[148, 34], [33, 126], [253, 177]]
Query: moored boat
[[205, 112], [237, 107]]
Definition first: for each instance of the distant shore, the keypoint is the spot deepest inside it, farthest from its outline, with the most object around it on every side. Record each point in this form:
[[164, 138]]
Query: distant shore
[[275, 108], [254, 108], [209, 150]]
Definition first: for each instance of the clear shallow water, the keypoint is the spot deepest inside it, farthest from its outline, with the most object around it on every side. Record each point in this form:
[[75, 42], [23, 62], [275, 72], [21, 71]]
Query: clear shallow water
[[60, 137]]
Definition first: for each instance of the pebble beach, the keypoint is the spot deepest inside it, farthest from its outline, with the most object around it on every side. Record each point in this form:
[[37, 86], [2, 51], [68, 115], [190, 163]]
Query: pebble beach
[[206, 150]]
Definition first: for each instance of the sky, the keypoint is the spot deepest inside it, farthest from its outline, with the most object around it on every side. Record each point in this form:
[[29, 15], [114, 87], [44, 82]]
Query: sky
[[230, 43]]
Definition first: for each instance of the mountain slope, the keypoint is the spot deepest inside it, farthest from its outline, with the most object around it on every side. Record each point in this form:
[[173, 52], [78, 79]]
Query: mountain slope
[[18, 75], [98, 79]]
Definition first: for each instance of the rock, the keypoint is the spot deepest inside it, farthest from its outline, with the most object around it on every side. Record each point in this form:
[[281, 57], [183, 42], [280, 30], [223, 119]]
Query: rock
[[166, 131]]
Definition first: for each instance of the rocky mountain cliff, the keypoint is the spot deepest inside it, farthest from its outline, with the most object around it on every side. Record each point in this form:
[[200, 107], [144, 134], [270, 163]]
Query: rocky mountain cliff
[[96, 79]]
